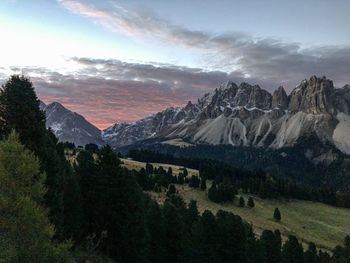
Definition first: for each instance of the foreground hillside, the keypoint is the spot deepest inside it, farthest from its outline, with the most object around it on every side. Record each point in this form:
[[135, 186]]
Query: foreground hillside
[[322, 224]]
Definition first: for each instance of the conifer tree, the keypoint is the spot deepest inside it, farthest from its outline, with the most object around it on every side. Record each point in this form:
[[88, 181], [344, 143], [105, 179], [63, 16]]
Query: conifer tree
[[277, 214], [26, 234], [311, 254], [171, 190], [155, 226], [170, 171], [251, 203], [213, 193], [19, 110], [292, 251], [271, 246], [206, 237], [149, 168], [241, 202], [174, 238], [185, 172], [203, 185], [192, 214]]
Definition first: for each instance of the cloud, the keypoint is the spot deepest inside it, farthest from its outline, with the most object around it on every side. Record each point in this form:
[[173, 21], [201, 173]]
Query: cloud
[[109, 91], [106, 91], [266, 59]]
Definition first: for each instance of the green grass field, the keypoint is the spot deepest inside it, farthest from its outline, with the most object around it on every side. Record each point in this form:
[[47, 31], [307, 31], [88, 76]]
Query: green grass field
[[322, 224]]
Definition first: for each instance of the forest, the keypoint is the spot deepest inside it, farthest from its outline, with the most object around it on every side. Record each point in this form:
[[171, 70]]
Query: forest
[[94, 210]]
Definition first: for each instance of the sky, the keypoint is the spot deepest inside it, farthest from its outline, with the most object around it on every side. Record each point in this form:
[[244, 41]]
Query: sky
[[115, 61]]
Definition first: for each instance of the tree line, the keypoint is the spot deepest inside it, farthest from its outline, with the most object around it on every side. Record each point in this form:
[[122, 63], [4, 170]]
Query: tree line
[[256, 182]]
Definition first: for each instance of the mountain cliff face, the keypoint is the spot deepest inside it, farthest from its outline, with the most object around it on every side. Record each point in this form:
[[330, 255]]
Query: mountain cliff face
[[247, 115], [70, 126]]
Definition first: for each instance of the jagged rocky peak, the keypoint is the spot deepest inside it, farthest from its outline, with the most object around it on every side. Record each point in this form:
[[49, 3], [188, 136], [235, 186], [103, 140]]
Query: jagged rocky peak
[[252, 97], [312, 96], [231, 95], [341, 99], [279, 99]]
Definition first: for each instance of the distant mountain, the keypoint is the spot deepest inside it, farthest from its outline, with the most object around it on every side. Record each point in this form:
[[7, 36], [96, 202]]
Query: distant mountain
[[70, 126], [247, 115]]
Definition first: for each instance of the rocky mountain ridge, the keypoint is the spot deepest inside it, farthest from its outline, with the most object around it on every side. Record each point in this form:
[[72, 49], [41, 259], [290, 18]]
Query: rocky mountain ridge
[[250, 116]]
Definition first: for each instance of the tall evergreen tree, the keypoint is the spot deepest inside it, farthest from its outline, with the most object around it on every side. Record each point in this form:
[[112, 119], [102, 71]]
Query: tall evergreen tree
[[213, 194], [241, 202], [277, 214], [206, 238], [271, 246], [86, 170], [19, 110], [26, 234], [174, 237], [185, 172], [119, 209], [203, 185], [232, 244], [192, 214], [292, 251], [251, 203], [156, 235], [311, 254]]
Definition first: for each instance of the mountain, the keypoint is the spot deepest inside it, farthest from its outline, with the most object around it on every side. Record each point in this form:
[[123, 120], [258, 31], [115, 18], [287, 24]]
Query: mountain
[[247, 115], [69, 126]]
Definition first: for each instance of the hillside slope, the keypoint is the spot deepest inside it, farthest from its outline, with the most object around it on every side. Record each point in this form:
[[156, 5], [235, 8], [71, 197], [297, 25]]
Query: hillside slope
[[322, 224]]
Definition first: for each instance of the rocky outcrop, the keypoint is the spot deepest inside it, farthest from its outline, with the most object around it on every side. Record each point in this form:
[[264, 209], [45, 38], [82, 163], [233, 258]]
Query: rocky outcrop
[[279, 99], [312, 96], [341, 99], [252, 97]]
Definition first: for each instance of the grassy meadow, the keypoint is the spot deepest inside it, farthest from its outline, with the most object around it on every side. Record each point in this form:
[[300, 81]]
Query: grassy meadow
[[322, 224]]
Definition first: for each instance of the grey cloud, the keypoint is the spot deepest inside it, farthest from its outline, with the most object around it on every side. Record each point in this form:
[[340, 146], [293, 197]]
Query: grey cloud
[[268, 60]]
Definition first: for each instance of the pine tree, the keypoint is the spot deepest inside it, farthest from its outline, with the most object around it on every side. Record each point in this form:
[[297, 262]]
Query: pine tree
[[26, 234], [180, 179], [292, 251], [174, 235], [19, 110], [251, 202], [277, 215], [170, 171], [192, 214], [194, 181], [119, 208], [171, 190], [232, 235], [156, 238], [213, 193], [311, 254], [113, 204], [271, 246], [149, 168], [185, 172], [241, 202], [203, 185], [206, 238]]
